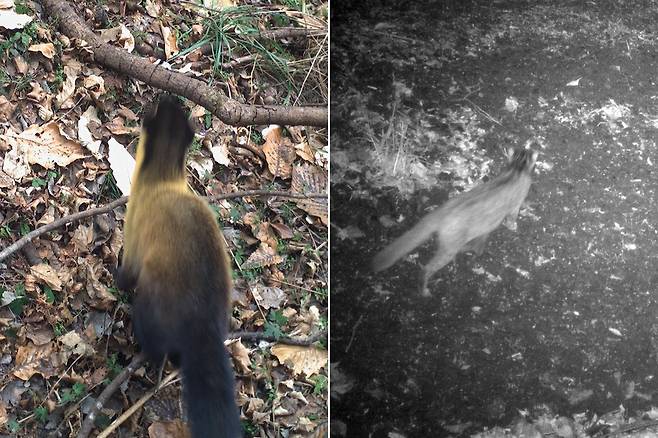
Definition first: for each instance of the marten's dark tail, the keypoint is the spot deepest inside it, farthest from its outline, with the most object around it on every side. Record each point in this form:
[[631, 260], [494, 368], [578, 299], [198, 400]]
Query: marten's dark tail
[[208, 387]]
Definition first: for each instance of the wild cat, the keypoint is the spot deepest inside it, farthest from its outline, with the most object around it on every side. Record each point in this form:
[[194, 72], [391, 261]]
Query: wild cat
[[463, 223]]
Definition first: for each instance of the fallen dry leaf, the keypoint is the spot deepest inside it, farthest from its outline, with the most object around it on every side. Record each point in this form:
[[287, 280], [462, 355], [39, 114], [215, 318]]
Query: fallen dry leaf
[[71, 71], [74, 342], [122, 165], [279, 152], [268, 297], [46, 49], [240, 355], [307, 360], [3, 413], [6, 108], [168, 429], [11, 20], [263, 256], [307, 178], [40, 335], [170, 43], [84, 134], [34, 359], [45, 146], [48, 275]]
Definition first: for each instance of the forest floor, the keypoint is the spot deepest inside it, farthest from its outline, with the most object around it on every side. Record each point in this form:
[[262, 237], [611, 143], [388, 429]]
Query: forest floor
[[553, 329], [67, 128]]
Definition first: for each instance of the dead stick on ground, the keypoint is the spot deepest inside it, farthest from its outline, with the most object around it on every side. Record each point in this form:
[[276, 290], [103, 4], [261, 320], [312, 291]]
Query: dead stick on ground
[[20, 243], [124, 375], [214, 100], [88, 423], [116, 423], [259, 336]]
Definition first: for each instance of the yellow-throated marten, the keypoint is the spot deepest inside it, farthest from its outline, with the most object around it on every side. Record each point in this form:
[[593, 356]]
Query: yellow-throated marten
[[464, 222], [175, 258]]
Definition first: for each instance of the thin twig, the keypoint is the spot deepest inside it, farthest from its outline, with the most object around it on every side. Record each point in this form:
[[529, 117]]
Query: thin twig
[[259, 336], [349, 344], [124, 375], [116, 423], [20, 243], [247, 193]]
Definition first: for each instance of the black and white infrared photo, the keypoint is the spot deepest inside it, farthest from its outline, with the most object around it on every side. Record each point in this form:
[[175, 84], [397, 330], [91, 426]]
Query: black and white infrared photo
[[493, 220]]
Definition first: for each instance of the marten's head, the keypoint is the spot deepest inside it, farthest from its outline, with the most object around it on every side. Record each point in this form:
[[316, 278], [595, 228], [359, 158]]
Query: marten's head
[[166, 135], [522, 160]]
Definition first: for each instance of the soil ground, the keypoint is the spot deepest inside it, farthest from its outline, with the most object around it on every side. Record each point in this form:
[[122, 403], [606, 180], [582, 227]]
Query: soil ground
[[555, 319]]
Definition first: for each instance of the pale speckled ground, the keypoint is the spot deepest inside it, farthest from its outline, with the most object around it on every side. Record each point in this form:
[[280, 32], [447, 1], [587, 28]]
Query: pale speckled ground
[[575, 305]]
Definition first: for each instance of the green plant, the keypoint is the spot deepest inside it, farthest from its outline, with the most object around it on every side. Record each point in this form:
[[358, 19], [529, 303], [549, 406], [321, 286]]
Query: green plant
[[18, 42], [319, 384], [109, 187], [48, 292], [41, 414], [113, 365], [5, 231], [75, 393], [249, 428], [38, 182], [14, 426], [59, 329], [24, 228], [20, 300]]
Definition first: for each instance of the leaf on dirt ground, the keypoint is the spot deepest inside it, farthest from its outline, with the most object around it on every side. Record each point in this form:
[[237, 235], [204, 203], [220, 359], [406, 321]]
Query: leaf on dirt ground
[[84, 134], [40, 335], [307, 360], [168, 429], [48, 275], [12, 21], [307, 178], [91, 268], [170, 43], [122, 165], [220, 154], [152, 8], [64, 98], [265, 255], [34, 359], [120, 35], [46, 49], [6, 108], [240, 355], [261, 230], [268, 297], [282, 230], [3, 413], [279, 152], [75, 343], [219, 4], [95, 85], [15, 163], [45, 146], [201, 164]]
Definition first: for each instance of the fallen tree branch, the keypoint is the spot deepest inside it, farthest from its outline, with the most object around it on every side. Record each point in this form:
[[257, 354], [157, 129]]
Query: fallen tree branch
[[138, 360], [20, 243], [214, 100], [110, 389]]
